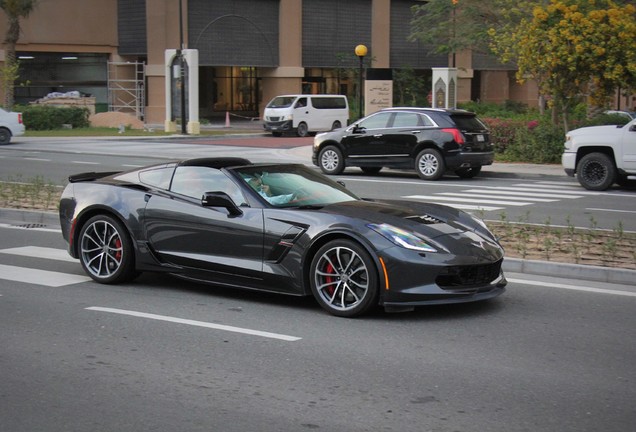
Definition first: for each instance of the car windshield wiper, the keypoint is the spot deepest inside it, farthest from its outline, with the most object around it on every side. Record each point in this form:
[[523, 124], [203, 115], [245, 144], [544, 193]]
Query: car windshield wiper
[[308, 207]]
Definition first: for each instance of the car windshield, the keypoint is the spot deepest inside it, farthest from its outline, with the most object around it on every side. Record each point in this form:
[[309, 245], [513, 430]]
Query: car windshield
[[293, 186], [281, 102]]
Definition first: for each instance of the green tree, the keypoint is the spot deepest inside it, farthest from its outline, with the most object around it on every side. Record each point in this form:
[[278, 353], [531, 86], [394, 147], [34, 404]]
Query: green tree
[[573, 48], [450, 26], [15, 10]]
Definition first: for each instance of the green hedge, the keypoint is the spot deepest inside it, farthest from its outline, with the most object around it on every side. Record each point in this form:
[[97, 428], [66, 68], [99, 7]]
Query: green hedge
[[43, 117]]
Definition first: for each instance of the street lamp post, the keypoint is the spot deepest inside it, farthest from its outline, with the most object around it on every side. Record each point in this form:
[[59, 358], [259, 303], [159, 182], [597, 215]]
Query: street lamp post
[[360, 51]]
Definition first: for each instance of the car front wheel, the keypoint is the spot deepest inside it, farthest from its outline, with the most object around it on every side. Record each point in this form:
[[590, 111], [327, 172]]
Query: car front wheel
[[429, 164], [331, 160], [105, 250], [302, 130], [344, 280], [596, 171]]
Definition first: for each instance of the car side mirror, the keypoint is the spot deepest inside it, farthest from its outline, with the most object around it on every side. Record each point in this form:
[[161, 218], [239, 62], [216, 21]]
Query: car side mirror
[[220, 199], [358, 129]]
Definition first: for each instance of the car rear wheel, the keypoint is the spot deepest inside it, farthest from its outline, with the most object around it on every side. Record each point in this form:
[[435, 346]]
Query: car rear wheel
[[344, 279], [105, 250], [331, 160], [302, 130], [596, 171], [467, 173], [429, 164]]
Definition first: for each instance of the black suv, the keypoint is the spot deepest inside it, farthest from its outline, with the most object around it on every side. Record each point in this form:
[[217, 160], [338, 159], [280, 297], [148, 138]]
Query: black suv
[[431, 140]]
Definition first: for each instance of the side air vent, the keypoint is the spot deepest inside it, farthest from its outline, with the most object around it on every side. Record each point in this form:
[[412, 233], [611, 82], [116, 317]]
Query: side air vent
[[426, 219]]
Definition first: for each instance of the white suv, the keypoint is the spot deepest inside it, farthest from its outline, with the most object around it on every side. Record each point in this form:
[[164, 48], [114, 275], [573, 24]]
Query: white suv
[[10, 125], [600, 156]]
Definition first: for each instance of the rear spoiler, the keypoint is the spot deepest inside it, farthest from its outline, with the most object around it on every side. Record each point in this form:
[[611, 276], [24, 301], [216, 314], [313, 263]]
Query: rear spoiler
[[89, 176]]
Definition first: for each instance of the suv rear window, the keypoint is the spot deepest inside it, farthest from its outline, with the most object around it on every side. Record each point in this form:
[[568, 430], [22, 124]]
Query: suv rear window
[[468, 122]]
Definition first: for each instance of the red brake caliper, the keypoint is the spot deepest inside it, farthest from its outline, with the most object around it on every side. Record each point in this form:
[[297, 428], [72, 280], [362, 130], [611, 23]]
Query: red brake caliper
[[330, 279], [118, 253]]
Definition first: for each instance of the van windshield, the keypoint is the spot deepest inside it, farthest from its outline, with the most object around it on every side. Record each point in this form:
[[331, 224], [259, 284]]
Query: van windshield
[[281, 102]]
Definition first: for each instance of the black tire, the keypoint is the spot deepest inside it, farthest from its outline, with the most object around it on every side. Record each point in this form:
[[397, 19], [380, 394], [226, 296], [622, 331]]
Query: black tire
[[429, 164], [371, 170], [5, 136], [344, 279], [331, 160], [105, 250], [468, 173], [336, 125], [596, 171], [302, 130], [277, 134]]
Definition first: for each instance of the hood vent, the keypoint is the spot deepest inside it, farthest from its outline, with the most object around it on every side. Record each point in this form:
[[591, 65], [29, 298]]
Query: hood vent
[[426, 219]]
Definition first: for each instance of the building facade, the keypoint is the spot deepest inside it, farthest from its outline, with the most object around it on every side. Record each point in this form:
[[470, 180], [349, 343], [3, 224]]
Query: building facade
[[249, 52]]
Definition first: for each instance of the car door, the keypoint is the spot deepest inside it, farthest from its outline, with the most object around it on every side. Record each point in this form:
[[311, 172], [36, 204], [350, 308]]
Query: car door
[[183, 232], [629, 146], [366, 139], [405, 131]]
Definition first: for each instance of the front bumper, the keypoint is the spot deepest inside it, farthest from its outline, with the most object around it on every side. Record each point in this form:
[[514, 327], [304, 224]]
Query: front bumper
[[568, 160], [278, 126], [441, 278]]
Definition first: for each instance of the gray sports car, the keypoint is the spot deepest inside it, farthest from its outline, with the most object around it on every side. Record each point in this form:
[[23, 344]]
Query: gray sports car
[[280, 228]]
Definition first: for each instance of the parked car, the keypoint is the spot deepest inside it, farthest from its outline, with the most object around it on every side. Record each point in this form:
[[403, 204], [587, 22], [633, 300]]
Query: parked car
[[282, 228], [305, 114], [10, 125], [600, 156], [432, 141], [627, 114]]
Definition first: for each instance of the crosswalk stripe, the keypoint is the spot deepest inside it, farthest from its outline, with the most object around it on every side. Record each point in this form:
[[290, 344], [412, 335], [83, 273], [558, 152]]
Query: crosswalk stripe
[[39, 277], [40, 252], [533, 189], [522, 193], [484, 195], [434, 198]]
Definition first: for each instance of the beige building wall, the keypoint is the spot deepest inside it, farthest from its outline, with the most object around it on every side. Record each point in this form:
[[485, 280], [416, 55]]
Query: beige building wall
[[380, 48], [287, 78]]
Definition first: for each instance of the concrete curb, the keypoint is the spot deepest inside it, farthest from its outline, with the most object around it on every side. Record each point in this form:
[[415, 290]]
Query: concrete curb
[[513, 265]]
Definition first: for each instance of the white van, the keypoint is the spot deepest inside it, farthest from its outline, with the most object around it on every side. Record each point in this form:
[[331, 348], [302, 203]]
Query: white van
[[305, 113]]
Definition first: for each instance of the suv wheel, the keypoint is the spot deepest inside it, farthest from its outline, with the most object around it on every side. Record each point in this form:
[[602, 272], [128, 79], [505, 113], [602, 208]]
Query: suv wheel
[[429, 164], [331, 160], [596, 171]]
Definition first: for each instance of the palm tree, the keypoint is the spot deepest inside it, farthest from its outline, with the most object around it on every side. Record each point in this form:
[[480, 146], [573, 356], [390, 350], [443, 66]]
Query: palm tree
[[15, 10]]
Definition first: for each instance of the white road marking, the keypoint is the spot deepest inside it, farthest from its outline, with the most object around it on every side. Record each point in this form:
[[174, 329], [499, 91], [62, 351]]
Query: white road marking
[[197, 323], [39, 277], [529, 188], [40, 252], [528, 194], [37, 159], [434, 198], [611, 210], [574, 287], [85, 162], [496, 195]]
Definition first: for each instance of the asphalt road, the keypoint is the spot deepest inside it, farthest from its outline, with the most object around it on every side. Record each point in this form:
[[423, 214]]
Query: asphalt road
[[514, 193], [161, 354]]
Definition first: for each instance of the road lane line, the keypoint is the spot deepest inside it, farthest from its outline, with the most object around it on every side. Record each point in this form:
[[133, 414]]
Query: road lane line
[[39, 277], [611, 210], [434, 198], [40, 252], [85, 162], [496, 196], [196, 323], [528, 194], [30, 228], [573, 287]]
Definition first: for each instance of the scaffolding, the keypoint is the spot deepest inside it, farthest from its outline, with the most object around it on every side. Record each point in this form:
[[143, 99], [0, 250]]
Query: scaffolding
[[126, 88]]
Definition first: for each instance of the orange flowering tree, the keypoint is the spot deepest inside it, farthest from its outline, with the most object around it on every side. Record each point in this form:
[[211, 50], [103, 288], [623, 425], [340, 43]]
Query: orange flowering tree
[[572, 48]]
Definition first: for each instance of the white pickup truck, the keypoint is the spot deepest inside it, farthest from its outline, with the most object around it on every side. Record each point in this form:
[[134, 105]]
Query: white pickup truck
[[10, 125], [600, 156]]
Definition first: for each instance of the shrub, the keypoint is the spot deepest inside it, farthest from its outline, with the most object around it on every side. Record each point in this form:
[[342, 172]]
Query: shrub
[[540, 144], [43, 117], [502, 132]]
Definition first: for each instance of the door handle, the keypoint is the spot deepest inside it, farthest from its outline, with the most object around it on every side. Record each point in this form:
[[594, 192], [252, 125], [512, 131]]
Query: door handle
[[415, 131], [377, 136]]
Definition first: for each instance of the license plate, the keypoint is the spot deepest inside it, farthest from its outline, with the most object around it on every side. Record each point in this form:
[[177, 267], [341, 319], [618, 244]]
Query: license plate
[[480, 138]]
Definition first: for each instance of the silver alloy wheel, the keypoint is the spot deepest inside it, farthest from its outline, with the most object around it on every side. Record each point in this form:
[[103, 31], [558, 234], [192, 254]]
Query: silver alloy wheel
[[428, 164], [330, 160], [341, 278], [101, 249]]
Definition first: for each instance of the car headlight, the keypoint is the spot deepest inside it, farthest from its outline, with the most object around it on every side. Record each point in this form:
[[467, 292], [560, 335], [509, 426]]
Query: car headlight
[[288, 117], [402, 238]]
